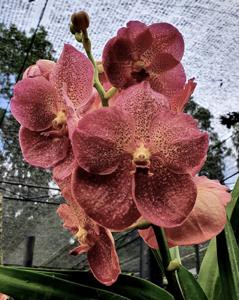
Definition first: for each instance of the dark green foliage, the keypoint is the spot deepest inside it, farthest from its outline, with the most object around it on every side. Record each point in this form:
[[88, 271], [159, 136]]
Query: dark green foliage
[[231, 120], [214, 165], [14, 45]]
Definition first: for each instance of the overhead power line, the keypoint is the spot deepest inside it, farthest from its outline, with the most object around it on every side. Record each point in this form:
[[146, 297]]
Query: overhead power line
[[29, 185], [32, 201], [230, 176]]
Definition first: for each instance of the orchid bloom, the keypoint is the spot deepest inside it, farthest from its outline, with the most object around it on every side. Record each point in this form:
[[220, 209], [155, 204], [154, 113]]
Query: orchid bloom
[[206, 220], [45, 104], [43, 67], [136, 158], [94, 239], [150, 53]]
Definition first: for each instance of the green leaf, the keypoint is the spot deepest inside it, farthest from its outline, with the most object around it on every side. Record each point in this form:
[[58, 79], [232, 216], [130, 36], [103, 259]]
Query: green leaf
[[234, 201], [126, 285], [26, 284], [209, 278], [233, 210], [228, 262], [190, 287]]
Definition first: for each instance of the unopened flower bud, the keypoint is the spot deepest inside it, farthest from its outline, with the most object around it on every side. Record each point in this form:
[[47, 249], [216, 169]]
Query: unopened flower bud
[[80, 21], [72, 30]]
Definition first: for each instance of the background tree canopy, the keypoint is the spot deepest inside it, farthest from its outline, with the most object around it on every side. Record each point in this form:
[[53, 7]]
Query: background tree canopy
[[214, 166]]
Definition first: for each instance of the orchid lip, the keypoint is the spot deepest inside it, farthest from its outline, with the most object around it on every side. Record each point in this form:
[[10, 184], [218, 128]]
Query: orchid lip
[[141, 157], [60, 120], [81, 235], [139, 72]]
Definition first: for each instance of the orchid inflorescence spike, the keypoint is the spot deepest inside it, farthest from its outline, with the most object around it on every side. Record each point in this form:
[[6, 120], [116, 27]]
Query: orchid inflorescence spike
[[129, 164]]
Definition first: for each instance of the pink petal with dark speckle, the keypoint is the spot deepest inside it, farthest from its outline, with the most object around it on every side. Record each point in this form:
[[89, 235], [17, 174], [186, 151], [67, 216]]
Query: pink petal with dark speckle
[[107, 199], [75, 71], [34, 103], [101, 139], [176, 140], [103, 259], [164, 198], [42, 151]]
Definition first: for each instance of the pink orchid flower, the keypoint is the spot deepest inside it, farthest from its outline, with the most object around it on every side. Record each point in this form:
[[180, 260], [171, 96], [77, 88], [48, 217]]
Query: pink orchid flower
[[151, 53], [206, 220], [43, 67], [136, 158], [94, 239], [45, 104]]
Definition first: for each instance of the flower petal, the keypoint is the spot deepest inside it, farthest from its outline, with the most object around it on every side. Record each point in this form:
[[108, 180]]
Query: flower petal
[[107, 199], [75, 72], [40, 150], [149, 237], [70, 219], [168, 82], [100, 140], [80, 249], [141, 103], [64, 168], [43, 67], [176, 140], [178, 101], [116, 61], [166, 39], [207, 218], [121, 51], [34, 103], [103, 259], [164, 198]]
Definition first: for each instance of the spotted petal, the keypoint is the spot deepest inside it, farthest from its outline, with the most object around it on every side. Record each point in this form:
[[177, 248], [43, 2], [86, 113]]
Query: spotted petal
[[141, 103], [166, 39], [74, 72], [107, 199], [40, 150], [103, 259], [164, 198], [34, 103], [176, 140], [100, 140], [169, 82], [71, 221]]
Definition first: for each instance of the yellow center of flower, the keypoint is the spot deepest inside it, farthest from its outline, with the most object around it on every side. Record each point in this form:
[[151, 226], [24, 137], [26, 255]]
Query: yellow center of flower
[[141, 156], [139, 64], [59, 120], [81, 235]]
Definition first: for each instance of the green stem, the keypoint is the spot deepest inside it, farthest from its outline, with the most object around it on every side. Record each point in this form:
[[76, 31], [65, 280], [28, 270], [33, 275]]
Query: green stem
[[158, 258], [173, 284], [105, 96], [163, 245]]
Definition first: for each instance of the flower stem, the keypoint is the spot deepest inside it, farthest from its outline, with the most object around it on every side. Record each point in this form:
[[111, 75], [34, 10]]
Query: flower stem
[[171, 274], [105, 96]]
